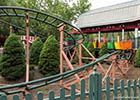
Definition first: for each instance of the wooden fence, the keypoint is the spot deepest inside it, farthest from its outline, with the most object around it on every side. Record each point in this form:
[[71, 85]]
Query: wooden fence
[[117, 91]]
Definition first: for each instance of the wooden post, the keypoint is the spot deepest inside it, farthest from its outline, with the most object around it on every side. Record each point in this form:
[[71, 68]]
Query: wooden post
[[27, 46], [80, 54], [35, 36], [11, 30], [61, 51]]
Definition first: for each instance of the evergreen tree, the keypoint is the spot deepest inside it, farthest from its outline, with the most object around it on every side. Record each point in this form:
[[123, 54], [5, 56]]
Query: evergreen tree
[[35, 51], [91, 48], [103, 50], [137, 58], [12, 63], [49, 57]]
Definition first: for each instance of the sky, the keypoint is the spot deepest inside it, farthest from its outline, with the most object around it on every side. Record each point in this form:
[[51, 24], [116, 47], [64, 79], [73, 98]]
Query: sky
[[103, 3]]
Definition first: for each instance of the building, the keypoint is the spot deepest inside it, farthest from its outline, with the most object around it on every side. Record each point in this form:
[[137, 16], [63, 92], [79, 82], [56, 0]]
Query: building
[[116, 18]]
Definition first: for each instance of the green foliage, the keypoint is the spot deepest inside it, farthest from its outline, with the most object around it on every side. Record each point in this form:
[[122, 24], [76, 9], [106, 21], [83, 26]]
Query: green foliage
[[8, 2], [103, 50], [137, 58], [49, 57], [60, 8], [81, 6], [64, 9], [35, 51], [12, 63], [91, 48]]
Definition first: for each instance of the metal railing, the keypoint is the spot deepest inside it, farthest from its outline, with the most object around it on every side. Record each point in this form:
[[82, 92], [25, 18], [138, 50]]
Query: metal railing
[[130, 91], [49, 80]]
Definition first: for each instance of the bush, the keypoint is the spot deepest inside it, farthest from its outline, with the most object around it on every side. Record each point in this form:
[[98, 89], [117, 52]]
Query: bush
[[35, 51], [90, 47], [103, 50], [12, 63], [137, 58], [49, 57]]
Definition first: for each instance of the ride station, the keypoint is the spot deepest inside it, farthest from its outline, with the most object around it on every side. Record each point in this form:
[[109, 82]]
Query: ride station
[[120, 22]]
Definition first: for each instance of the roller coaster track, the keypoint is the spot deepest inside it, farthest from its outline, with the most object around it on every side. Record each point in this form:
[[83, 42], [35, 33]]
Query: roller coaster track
[[49, 80], [55, 22], [21, 28], [46, 18]]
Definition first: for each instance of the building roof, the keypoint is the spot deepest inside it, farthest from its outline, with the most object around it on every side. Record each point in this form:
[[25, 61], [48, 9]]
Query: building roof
[[115, 14]]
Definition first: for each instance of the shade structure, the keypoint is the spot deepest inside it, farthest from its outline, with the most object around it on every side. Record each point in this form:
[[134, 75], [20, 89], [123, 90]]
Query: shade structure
[[115, 14]]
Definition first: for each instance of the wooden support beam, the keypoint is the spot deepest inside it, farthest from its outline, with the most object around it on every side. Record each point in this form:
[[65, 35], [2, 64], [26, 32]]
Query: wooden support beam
[[61, 50], [27, 46], [11, 30]]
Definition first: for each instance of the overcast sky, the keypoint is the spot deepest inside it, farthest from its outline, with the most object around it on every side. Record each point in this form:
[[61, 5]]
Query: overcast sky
[[102, 3]]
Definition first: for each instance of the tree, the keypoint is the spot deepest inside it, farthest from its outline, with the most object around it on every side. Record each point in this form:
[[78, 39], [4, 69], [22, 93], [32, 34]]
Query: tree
[[103, 50], [91, 48], [137, 58], [35, 51], [4, 29], [68, 10], [80, 7], [49, 57], [64, 9], [12, 63]]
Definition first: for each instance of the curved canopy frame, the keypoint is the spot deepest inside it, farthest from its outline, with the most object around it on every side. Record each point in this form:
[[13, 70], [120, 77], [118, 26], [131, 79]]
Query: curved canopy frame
[[41, 17], [21, 28], [46, 18]]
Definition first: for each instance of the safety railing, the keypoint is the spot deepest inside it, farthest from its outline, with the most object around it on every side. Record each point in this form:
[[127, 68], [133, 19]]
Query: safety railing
[[48, 80], [96, 90]]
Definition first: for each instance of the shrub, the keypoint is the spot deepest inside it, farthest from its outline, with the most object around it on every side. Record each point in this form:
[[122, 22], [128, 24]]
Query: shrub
[[103, 50], [12, 63], [49, 57], [90, 47], [35, 51], [137, 58]]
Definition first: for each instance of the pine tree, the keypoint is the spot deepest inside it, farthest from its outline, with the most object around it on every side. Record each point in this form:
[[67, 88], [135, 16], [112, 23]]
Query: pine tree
[[103, 50], [49, 57], [35, 51], [12, 63], [137, 58], [91, 48]]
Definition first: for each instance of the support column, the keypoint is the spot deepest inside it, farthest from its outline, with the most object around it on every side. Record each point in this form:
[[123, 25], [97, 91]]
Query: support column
[[80, 54], [136, 38], [61, 51], [99, 36], [122, 34], [27, 46], [11, 30]]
